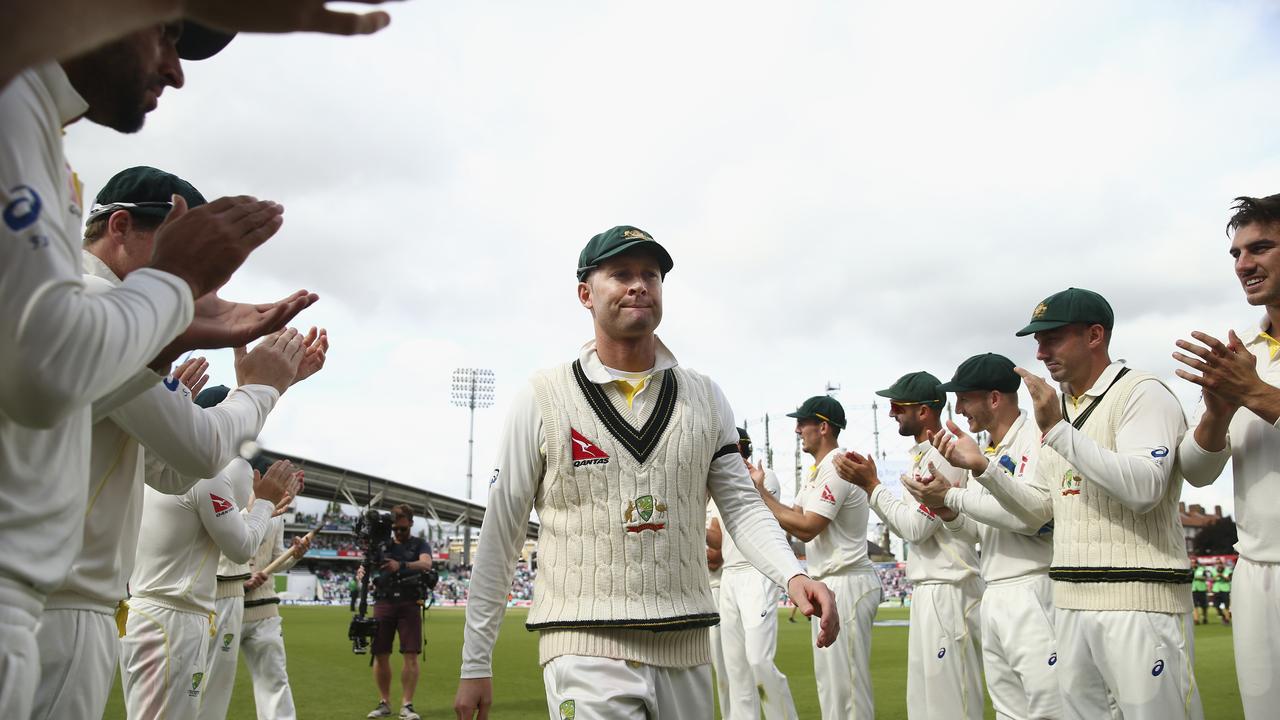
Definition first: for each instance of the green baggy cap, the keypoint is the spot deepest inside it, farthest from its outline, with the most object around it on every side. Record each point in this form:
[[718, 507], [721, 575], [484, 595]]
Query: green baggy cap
[[917, 388], [616, 241], [987, 371], [143, 190], [1073, 305], [821, 407]]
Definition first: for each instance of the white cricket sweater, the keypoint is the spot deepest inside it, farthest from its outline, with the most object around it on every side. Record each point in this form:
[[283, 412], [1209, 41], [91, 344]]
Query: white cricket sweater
[[514, 486], [262, 602], [182, 536], [1117, 541], [60, 348], [936, 554], [1011, 548], [1253, 446]]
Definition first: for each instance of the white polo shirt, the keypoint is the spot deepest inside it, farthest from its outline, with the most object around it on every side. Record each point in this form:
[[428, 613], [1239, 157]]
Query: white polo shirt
[[935, 554], [60, 349], [841, 547], [1253, 446]]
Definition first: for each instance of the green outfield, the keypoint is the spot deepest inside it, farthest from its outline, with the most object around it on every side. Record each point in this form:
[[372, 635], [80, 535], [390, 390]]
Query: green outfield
[[329, 682]]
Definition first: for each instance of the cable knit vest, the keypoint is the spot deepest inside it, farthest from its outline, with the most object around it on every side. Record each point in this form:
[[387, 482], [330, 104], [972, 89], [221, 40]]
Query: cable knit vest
[[1106, 556], [622, 505]]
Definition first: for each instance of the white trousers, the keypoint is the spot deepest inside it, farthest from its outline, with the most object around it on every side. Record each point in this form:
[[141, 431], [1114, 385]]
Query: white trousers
[[162, 661], [843, 670], [79, 651], [1019, 650], [749, 636], [1144, 660], [944, 675], [717, 660], [594, 688], [1255, 630], [222, 654], [19, 660], [262, 643]]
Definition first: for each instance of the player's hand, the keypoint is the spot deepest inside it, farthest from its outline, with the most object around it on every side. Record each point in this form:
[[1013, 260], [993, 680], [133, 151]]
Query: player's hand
[[314, 347], [193, 373], [284, 16], [256, 581], [391, 565], [273, 362], [1043, 398], [280, 482], [360, 573], [814, 598], [757, 474], [1228, 372], [301, 545], [474, 697], [206, 245], [857, 469], [960, 449]]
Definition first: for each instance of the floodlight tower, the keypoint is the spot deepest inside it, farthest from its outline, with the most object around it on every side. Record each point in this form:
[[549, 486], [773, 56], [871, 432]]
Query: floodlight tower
[[472, 388]]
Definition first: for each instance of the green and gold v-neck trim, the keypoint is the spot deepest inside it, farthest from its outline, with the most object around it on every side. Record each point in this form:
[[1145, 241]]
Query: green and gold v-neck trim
[[640, 443]]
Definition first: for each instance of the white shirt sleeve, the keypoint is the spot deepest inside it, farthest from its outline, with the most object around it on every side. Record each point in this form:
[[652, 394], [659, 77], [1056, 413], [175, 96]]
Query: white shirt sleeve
[[1137, 472], [828, 493], [985, 508], [911, 522], [746, 518], [192, 440], [60, 349], [964, 527], [520, 466], [1026, 497], [237, 535], [1199, 466]]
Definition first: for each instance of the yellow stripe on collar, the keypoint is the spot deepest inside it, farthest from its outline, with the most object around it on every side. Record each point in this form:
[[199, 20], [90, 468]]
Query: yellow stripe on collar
[[630, 390], [1272, 344]]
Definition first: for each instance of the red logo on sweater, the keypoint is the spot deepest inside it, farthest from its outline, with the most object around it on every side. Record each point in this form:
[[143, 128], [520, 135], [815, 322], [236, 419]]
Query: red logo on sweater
[[585, 452], [221, 506], [827, 496], [927, 512]]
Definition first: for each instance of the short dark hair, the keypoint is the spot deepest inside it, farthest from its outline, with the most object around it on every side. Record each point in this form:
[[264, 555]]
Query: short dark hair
[[97, 226], [1250, 210], [402, 511]]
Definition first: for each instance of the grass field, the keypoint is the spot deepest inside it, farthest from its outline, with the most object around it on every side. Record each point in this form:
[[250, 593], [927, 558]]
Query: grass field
[[329, 682]]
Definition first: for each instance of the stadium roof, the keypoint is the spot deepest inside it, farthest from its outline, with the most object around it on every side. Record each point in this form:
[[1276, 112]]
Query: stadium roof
[[322, 482]]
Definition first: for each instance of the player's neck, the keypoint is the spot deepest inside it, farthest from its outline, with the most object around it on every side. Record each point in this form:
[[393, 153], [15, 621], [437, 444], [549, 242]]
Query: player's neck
[[825, 446], [1000, 428], [1273, 320], [627, 354], [1098, 364], [925, 432]]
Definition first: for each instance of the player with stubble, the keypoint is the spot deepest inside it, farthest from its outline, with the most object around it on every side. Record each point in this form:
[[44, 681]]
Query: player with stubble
[[617, 452]]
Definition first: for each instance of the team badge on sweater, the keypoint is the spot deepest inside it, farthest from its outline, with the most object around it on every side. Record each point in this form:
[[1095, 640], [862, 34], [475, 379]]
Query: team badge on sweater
[[648, 511]]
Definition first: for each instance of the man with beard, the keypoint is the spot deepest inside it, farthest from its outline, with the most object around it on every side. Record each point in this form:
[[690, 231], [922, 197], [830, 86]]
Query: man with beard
[[62, 349], [617, 451], [1018, 646], [830, 517], [944, 679], [1240, 421]]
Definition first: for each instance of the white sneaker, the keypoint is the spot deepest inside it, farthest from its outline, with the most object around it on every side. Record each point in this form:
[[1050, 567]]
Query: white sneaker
[[407, 713], [383, 710]]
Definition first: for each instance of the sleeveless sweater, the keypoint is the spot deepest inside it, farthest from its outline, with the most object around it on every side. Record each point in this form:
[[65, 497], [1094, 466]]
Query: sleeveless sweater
[[1105, 555]]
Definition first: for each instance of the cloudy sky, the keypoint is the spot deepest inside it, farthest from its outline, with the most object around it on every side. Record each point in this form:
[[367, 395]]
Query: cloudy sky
[[850, 191]]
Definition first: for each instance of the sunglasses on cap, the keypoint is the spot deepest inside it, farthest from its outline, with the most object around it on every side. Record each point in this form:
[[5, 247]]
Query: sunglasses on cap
[[98, 211]]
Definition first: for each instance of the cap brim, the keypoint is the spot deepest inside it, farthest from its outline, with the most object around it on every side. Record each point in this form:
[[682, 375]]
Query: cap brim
[[198, 42], [1040, 325], [664, 258], [798, 416], [885, 393]]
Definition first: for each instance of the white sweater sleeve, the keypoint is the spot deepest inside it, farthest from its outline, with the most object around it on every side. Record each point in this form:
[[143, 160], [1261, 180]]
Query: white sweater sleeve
[[1137, 472], [195, 441], [1027, 499], [514, 485], [911, 522], [983, 507], [237, 535], [754, 529]]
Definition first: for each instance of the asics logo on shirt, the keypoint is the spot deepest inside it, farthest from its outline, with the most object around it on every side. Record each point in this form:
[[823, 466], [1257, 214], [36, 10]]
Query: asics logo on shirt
[[585, 452], [171, 383], [23, 210], [221, 505], [1159, 668]]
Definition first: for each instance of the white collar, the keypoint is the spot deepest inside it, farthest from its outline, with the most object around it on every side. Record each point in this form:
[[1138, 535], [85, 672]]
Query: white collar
[[597, 373]]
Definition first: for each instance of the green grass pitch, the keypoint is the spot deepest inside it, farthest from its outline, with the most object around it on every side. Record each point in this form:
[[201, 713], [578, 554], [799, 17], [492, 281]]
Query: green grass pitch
[[330, 682]]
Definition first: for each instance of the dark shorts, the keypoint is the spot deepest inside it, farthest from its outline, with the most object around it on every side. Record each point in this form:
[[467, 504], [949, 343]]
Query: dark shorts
[[1200, 598], [398, 616], [1222, 599]]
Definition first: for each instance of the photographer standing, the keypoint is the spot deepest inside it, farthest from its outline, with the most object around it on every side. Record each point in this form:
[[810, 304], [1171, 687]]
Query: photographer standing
[[398, 590]]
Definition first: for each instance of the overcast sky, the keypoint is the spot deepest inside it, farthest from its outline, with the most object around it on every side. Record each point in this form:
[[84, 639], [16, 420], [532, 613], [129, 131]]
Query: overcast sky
[[850, 192]]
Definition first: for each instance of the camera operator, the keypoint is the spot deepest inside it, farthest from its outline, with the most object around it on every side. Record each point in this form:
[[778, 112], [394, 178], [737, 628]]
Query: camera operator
[[398, 588]]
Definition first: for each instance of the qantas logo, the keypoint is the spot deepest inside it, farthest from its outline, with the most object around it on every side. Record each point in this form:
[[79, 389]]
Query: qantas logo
[[221, 506], [827, 497], [929, 514], [585, 452]]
